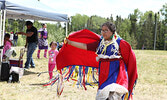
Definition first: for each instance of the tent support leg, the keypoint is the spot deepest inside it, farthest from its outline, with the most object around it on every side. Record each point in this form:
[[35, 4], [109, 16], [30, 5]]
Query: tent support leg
[[1, 28], [66, 28], [1, 50], [2, 32]]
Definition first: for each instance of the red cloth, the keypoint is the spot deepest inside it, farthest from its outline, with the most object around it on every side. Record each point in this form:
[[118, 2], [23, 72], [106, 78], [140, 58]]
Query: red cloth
[[104, 71], [70, 55], [130, 60], [122, 76]]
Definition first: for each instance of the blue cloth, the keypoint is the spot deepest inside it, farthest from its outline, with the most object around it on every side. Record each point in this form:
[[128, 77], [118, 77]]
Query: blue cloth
[[30, 50], [15, 42], [113, 67], [113, 74]]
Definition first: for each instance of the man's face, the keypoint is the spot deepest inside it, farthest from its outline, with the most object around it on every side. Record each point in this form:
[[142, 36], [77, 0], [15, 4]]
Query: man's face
[[29, 26]]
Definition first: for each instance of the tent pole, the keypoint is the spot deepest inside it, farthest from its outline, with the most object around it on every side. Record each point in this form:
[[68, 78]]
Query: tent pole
[[1, 50], [66, 28], [3, 16], [1, 28]]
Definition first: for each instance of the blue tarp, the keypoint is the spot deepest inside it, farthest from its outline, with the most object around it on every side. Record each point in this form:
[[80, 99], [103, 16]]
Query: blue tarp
[[30, 9]]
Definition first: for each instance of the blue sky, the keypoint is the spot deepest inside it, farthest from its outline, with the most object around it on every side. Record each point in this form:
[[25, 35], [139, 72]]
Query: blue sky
[[103, 8]]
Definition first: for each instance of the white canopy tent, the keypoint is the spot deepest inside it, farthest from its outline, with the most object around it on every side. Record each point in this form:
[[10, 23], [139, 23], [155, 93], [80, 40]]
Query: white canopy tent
[[30, 9], [26, 9]]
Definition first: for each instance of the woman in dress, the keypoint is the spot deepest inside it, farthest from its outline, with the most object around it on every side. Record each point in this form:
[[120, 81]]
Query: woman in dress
[[42, 41], [117, 64]]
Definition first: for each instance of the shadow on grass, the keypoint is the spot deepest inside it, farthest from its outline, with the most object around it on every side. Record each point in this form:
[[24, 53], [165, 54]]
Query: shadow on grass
[[27, 72], [36, 84], [4, 81]]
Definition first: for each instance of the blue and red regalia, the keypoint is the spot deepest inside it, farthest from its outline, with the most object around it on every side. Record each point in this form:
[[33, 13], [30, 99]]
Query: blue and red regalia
[[115, 60], [114, 63]]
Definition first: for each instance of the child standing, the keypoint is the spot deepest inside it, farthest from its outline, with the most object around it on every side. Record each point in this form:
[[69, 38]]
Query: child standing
[[52, 58], [7, 43]]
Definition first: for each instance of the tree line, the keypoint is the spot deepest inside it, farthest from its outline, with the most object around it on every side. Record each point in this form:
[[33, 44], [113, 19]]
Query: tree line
[[141, 30]]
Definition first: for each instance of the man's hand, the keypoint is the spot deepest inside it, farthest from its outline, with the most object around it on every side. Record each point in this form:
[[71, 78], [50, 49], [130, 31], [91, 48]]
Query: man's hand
[[19, 33]]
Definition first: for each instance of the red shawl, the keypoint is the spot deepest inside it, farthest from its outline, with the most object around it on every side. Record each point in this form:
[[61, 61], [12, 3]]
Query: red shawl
[[130, 60], [70, 55]]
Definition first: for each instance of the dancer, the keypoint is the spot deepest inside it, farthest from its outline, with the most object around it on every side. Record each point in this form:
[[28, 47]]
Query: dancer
[[117, 64], [42, 41]]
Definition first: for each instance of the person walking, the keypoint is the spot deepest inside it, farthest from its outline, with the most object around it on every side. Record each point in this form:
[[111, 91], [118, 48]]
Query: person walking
[[31, 43]]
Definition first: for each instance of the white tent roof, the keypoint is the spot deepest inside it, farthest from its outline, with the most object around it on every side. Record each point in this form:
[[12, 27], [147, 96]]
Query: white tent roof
[[31, 9]]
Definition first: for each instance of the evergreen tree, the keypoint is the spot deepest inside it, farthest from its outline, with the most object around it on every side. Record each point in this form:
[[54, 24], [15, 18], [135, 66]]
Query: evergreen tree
[[164, 25]]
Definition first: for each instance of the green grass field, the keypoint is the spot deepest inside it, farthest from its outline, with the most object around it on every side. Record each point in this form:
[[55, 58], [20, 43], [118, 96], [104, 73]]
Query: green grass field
[[151, 84]]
